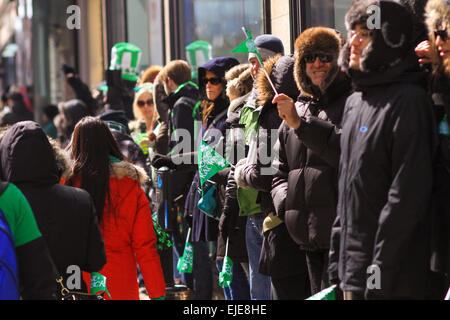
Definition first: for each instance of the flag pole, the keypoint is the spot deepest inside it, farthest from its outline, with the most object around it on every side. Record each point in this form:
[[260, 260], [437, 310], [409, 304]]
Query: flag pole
[[261, 62]]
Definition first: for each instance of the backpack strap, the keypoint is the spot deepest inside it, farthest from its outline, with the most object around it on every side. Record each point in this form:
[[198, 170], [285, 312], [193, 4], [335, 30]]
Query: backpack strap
[[3, 186]]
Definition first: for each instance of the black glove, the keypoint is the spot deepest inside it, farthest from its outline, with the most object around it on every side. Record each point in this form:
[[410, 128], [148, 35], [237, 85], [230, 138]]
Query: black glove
[[160, 161], [230, 212], [67, 69]]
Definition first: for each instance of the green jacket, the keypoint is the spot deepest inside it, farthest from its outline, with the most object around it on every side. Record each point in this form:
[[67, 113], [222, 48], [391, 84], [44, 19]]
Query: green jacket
[[247, 197]]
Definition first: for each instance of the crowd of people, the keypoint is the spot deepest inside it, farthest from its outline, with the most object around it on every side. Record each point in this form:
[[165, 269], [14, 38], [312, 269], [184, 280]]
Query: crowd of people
[[337, 169]]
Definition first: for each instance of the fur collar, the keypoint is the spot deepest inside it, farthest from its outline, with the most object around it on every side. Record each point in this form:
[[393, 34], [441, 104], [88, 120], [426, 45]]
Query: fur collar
[[237, 102], [265, 92], [126, 169]]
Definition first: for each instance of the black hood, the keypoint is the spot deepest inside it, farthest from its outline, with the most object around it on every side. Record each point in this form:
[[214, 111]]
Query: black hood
[[27, 156], [390, 44], [390, 56]]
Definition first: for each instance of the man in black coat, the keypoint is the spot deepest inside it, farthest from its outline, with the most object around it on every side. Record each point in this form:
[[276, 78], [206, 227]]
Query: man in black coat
[[380, 238], [65, 215], [304, 188]]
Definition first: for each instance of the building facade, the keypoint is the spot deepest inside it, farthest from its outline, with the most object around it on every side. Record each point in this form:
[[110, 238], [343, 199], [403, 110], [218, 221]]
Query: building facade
[[43, 34]]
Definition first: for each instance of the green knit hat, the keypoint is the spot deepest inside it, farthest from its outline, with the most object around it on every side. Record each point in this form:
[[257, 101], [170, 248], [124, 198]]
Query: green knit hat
[[125, 57]]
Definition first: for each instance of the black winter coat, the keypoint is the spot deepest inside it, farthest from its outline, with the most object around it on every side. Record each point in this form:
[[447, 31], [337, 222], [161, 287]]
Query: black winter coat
[[304, 188], [385, 184], [65, 215]]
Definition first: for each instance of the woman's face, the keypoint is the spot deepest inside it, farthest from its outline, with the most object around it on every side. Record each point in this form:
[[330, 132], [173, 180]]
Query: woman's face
[[146, 105], [443, 43], [214, 86]]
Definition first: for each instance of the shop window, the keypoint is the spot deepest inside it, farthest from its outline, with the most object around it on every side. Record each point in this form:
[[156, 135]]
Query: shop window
[[220, 23]]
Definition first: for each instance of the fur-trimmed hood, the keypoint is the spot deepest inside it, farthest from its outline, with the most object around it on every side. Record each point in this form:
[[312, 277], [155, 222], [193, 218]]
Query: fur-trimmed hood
[[126, 169], [312, 41], [391, 44], [437, 14], [281, 72]]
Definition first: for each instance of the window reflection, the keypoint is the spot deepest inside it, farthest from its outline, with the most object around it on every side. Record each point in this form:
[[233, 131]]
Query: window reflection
[[219, 22]]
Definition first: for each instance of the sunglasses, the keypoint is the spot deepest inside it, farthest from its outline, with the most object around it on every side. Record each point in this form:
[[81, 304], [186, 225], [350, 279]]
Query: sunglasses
[[441, 33], [324, 58], [142, 103], [213, 81]]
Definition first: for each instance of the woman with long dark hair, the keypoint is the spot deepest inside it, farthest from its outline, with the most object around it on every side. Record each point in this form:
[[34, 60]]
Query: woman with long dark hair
[[122, 207]]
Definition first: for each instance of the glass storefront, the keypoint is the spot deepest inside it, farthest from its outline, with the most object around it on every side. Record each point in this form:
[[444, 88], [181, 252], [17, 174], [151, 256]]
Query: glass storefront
[[220, 23], [328, 13]]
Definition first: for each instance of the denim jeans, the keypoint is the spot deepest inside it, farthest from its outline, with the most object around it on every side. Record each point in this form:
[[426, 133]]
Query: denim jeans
[[239, 288], [259, 284]]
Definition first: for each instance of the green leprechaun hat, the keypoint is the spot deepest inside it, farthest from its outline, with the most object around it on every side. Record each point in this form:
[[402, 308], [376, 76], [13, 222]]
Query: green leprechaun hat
[[125, 57]]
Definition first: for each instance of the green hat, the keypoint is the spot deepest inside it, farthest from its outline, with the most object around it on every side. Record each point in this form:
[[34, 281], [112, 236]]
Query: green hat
[[125, 57]]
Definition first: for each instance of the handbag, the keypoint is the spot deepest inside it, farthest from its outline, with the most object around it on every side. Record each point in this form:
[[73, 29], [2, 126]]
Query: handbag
[[65, 294], [208, 203]]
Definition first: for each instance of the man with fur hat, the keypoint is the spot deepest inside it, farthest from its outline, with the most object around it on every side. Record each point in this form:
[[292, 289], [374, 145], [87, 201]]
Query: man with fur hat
[[380, 238], [304, 188]]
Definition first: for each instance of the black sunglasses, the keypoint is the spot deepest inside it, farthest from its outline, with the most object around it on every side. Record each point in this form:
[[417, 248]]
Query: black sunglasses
[[213, 81], [441, 33], [142, 103], [324, 58]]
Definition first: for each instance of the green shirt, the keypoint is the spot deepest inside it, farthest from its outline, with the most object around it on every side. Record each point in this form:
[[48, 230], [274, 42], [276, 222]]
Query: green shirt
[[20, 218]]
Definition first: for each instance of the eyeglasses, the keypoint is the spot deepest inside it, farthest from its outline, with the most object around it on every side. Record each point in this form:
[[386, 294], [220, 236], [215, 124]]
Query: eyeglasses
[[213, 81], [142, 103], [324, 58], [362, 35], [441, 33]]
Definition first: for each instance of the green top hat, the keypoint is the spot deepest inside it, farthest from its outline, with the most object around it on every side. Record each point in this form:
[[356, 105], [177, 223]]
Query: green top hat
[[198, 53], [125, 57]]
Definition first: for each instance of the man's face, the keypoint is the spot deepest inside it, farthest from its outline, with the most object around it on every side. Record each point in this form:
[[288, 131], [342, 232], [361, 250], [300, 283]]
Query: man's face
[[255, 67], [317, 67], [442, 43], [361, 37]]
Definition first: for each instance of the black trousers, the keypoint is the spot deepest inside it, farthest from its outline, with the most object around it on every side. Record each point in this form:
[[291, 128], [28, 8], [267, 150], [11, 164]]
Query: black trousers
[[317, 262], [295, 287]]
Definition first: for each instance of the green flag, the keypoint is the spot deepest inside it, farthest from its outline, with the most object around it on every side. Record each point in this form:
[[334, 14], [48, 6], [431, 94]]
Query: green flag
[[248, 46], [209, 162], [98, 283], [186, 262], [226, 276], [325, 294]]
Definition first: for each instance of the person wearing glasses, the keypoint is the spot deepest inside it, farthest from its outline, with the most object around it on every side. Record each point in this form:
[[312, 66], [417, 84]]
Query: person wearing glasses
[[438, 23], [304, 188], [380, 239]]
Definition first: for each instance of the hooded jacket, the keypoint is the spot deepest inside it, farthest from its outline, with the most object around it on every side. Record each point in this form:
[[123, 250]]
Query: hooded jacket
[[205, 228], [65, 215], [259, 175], [385, 171], [128, 233], [304, 188]]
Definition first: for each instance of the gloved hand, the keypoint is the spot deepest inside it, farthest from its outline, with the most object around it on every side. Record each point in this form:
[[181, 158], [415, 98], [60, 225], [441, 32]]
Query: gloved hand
[[160, 161], [67, 69]]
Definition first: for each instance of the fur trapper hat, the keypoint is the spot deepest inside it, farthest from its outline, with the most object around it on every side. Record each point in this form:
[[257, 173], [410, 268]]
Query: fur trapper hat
[[312, 41]]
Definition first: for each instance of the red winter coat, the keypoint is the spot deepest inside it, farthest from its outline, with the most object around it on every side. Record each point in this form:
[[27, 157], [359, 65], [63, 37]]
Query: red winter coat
[[129, 236]]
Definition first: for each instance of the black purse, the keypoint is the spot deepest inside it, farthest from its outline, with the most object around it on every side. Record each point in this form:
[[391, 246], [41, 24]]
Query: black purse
[[65, 294]]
